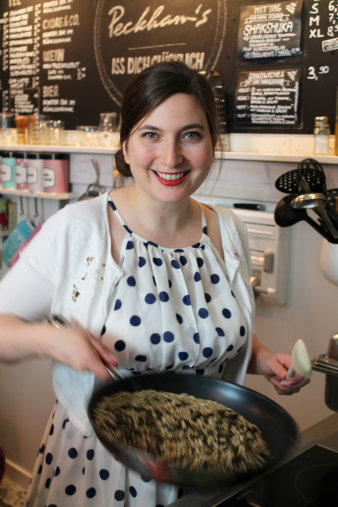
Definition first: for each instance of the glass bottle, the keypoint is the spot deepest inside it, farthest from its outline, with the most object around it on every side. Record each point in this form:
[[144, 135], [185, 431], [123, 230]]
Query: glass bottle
[[321, 135]]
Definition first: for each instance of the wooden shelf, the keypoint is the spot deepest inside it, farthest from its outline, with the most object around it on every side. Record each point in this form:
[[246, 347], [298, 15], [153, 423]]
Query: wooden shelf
[[65, 196]]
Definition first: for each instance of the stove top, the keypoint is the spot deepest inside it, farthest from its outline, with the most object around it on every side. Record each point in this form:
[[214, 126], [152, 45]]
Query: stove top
[[309, 480]]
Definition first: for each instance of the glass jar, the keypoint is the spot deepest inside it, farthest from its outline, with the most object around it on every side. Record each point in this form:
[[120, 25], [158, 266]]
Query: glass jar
[[321, 135]]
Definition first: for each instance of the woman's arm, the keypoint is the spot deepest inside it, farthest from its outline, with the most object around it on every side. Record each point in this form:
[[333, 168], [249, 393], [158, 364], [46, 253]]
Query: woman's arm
[[25, 299], [70, 345], [274, 367]]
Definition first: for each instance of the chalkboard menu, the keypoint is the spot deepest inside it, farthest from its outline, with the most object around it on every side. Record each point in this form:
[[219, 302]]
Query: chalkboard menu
[[72, 59]]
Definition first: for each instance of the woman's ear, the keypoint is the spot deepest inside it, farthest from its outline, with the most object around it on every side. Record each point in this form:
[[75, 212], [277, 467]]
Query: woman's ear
[[125, 152]]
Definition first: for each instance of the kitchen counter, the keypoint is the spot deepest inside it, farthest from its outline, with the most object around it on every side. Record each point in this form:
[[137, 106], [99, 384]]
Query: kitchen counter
[[324, 433]]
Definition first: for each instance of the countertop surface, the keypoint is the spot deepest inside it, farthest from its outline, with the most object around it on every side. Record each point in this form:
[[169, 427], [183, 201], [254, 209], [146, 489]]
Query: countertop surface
[[324, 433]]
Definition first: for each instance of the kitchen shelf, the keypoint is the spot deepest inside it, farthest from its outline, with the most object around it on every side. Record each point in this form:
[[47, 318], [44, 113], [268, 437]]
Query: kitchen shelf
[[60, 196], [224, 155]]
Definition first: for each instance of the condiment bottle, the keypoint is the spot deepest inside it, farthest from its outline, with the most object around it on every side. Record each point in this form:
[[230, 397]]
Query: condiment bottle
[[321, 135], [21, 123]]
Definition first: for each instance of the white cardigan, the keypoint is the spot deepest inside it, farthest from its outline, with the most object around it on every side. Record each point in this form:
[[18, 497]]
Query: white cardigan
[[70, 259]]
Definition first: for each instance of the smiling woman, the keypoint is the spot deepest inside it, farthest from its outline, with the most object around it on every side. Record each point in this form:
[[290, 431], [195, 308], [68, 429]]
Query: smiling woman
[[149, 278]]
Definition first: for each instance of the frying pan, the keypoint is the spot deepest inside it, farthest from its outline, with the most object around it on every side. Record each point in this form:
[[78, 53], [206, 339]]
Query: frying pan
[[278, 427]]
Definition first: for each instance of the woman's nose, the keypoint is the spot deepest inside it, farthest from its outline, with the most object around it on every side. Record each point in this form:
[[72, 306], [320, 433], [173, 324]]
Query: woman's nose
[[170, 153]]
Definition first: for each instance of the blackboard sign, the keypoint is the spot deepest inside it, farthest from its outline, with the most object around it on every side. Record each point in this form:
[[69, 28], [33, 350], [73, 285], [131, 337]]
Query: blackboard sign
[[270, 30], [72, 59], [268, 97]]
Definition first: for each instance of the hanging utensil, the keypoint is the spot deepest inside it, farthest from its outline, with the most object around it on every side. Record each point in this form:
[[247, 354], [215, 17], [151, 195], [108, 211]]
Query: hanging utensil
[[309, 176], [317, 202], [94, 189]]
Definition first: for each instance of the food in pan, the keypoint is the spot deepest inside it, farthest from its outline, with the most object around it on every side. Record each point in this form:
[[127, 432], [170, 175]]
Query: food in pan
[[182, 430]]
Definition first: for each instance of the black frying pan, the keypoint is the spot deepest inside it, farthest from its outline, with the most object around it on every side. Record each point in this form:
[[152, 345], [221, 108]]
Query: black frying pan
[[278, 427]]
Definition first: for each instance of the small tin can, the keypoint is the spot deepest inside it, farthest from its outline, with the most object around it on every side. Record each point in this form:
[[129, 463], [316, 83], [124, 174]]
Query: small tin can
[[21, 163], [35, 172], [56, 173], [8, 170]]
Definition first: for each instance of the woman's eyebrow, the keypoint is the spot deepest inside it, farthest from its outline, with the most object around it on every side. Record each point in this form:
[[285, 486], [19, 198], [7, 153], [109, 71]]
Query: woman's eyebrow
[[185, 127]]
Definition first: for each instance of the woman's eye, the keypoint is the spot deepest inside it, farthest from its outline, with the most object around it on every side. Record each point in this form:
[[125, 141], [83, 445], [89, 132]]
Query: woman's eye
[[150, 135], [192, 135]]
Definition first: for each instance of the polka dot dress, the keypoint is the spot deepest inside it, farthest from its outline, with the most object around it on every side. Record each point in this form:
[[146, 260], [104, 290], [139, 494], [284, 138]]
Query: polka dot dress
[[173, 309]]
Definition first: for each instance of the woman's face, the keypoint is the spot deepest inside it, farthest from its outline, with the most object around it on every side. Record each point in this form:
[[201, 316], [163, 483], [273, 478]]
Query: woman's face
[[170, 151]]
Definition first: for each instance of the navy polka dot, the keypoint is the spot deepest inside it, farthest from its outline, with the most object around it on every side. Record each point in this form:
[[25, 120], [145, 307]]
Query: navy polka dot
[[203, 313], [164, 296], [155, 338], [39, 469], [233, 295], [90, 454], [183, 260], [47, 483], [83, 470], [200, 262], [242, 331], [196, 245], [141, 358], [131, 281], [49, 458], [197, 277], [214, 279], [175, 264], [120, 345], [135, 320], [129, 245], [183, 356], [207, 297], [64, 423], [42, 449], [141, 261], [186, 300], [119, 495], [170, 284], [90, 493], [103, 330], [240, 348], [229, 349], [220, 331], [168, 336], [104, 474], [72, 453], [179, 318], [132, 491], [150, 298], [56, 471], [207, 352], [196, 338], [145, 479], [118, 304], [51, 431], [70, 490], [157, 261], [226, 313]]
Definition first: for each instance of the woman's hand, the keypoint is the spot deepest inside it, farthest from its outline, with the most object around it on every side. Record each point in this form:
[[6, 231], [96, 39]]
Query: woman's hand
[[274, 367], [71, 345], [78, 348]]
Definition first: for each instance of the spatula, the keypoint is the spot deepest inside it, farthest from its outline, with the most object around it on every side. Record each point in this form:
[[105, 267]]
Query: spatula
[[301, 362]]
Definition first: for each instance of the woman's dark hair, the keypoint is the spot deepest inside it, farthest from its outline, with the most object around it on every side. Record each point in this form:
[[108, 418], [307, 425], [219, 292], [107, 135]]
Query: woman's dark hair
[[152, 87]]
